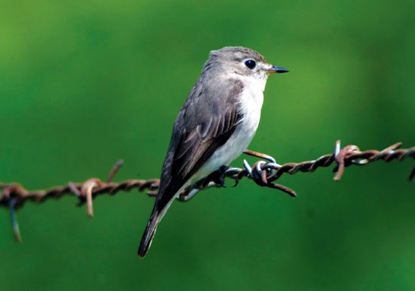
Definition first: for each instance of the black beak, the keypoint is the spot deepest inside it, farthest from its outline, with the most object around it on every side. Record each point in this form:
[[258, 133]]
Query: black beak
[[275, 69]]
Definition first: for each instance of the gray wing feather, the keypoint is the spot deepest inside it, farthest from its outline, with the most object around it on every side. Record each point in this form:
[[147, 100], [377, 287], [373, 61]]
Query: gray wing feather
[[206, 121]]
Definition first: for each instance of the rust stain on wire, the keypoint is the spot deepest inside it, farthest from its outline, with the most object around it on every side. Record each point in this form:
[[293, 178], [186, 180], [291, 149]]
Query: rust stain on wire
[[263, 173]]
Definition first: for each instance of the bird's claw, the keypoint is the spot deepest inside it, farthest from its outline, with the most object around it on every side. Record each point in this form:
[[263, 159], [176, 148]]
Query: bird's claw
[[218, 177]]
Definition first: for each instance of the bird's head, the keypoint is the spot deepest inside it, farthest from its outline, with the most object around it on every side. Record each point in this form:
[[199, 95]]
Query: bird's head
[[241, 61]]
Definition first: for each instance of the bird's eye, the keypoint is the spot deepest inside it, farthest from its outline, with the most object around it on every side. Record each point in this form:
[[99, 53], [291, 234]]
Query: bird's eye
[[250, 64]]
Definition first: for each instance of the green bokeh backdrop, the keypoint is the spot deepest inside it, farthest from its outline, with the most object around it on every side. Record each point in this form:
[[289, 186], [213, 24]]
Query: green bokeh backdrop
[[85, 83]]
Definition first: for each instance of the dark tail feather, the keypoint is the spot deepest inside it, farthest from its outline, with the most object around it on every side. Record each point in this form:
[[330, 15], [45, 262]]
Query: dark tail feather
[[148, 235]]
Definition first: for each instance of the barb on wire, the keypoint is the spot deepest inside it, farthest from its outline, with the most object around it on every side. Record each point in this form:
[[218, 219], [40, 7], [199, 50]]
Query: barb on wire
[[263, 173], [16, 230]]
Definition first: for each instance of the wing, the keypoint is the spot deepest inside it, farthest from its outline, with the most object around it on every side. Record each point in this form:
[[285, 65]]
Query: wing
[[206, 121]]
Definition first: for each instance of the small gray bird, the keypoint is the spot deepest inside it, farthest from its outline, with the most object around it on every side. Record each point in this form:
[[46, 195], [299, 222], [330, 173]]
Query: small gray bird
[[215, 125]]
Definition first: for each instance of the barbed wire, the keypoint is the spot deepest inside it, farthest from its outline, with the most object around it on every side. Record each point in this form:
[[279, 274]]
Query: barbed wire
[[263, 173]]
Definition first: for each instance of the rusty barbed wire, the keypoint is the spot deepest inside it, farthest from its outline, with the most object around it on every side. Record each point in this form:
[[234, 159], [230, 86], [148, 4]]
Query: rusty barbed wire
[[14, 196]]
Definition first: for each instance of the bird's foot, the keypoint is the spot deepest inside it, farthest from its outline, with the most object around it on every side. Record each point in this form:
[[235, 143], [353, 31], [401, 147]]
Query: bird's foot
[[218, 177]]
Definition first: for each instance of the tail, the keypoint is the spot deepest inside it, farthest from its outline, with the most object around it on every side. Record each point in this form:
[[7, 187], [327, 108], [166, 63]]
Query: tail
[[160, 208], [148, 234]]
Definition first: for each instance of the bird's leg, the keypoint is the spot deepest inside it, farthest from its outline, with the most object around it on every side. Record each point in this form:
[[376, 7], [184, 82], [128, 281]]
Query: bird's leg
[[218, 177]]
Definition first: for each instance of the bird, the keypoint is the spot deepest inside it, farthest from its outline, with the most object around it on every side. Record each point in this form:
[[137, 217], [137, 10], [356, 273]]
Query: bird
[[215, 125]]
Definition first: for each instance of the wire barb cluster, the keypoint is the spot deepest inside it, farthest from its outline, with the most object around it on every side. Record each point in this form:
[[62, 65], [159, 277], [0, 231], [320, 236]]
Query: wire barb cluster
[[263, 173]]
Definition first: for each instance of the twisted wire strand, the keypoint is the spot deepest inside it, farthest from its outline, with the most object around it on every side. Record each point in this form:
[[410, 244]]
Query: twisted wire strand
[[263, 173]]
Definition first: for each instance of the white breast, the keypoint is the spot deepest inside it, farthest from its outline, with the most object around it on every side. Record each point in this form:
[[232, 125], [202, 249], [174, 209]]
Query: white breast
[[251, 101]]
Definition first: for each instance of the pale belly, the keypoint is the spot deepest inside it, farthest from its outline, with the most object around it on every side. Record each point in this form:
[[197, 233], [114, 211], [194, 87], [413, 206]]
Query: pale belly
[[224, 155], [232, 149], [237, 143]]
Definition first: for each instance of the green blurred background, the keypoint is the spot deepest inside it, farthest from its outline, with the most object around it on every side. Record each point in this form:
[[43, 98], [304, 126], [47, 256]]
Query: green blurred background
[[85, 83]]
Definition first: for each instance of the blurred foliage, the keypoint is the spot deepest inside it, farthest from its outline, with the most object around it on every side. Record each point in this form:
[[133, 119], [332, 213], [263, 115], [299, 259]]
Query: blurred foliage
[[84, 83]]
